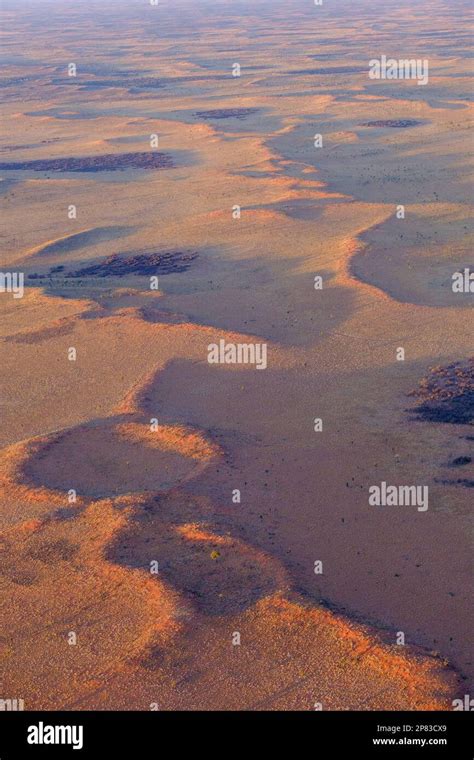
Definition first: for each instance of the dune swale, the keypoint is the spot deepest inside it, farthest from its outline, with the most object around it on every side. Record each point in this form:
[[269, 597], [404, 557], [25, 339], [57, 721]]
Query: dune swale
[[105, 163], [328, 70], [126, 83]]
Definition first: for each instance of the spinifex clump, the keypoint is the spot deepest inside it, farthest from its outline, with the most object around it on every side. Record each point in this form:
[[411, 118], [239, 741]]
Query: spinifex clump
[[446, 394], [141, 263], [109, 162]]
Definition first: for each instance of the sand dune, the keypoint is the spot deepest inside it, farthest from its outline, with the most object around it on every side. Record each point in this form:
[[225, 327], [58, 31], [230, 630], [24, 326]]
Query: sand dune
[[149, 628], [82, 239]]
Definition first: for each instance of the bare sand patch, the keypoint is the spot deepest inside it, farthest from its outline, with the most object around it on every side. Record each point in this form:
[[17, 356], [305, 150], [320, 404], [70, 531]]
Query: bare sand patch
[[99, 461]]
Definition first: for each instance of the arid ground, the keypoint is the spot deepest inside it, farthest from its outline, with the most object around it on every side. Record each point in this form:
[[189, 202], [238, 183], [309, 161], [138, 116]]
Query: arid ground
[[180, 534]]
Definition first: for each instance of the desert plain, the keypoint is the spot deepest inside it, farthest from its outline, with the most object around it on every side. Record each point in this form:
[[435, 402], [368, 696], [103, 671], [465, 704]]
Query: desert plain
[[178, 534]]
